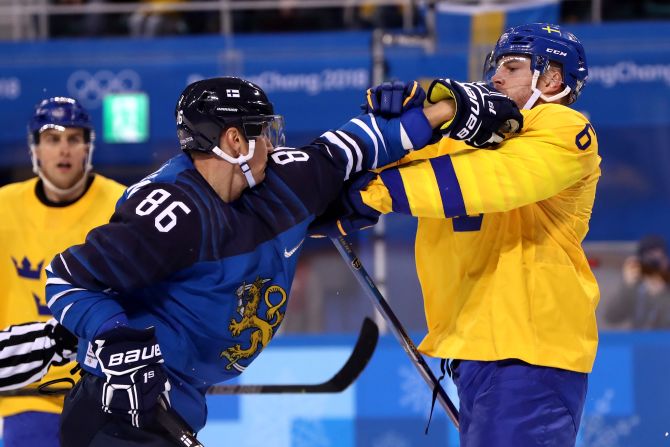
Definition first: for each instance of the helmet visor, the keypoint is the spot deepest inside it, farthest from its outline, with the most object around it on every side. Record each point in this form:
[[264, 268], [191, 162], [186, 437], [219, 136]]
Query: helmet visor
[[495, 61], [267, 126], [489, 67]]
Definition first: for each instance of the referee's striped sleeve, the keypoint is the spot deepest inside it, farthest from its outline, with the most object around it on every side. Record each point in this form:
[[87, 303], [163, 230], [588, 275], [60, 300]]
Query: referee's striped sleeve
[[26, 352]]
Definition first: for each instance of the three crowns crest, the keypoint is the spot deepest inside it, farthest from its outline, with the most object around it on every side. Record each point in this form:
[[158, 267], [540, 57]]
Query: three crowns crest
[[25, 270]]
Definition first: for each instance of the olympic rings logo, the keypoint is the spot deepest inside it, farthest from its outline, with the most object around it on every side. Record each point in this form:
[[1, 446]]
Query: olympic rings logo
[[90, 89], [10, 88]]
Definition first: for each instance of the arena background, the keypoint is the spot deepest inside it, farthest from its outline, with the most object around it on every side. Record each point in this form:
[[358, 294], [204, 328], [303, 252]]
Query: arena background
[[316, 80]]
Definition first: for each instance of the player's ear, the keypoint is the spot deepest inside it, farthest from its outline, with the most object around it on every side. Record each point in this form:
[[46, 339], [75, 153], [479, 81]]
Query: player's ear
[[553, 81], [232, 141]]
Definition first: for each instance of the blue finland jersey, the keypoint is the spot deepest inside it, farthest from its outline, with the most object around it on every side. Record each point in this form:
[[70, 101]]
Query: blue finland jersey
[[212, 277]]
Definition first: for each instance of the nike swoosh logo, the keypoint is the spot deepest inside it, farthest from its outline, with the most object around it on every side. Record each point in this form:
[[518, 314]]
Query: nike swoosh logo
[[289, 253]]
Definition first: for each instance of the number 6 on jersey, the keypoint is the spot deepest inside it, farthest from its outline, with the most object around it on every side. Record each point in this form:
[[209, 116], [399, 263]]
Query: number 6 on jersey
[[149, 205]]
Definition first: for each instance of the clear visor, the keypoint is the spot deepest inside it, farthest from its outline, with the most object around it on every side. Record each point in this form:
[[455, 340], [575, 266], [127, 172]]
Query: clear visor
[[266, 126], [494, 62], [489, 67]]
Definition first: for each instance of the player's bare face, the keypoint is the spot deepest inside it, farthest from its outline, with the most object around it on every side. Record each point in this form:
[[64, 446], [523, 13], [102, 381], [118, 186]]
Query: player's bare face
[[62, 155], [259, 161], [513, 78]]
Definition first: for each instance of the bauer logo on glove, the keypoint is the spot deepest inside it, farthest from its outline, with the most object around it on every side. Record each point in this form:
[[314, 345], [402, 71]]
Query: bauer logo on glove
[[135, 355], [483, 115], [131, 360]]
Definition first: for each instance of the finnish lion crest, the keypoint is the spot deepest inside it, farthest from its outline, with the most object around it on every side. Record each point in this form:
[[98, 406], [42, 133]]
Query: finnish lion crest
[[249, 297]]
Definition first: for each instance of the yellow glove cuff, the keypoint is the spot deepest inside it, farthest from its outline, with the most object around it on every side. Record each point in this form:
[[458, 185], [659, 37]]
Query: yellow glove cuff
[[440, 92]]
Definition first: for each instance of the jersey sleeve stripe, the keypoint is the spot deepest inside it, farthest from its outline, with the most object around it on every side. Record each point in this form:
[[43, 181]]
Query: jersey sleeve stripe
[[372, 137], [393, 182], [373, 121], [60, 294], [62, 259], [14, 381], [352, 143], [450, 189], [336, 141], [20, 329], [62, 315], [404, 138], [57, 281]]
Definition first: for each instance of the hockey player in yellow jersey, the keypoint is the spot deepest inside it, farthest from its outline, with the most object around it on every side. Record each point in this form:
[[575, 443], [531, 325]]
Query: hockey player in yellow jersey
[[39, 218], [508, 292]]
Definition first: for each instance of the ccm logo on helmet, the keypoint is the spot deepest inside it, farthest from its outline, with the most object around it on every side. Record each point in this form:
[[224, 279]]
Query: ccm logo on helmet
[[558, 52], [135, 355]]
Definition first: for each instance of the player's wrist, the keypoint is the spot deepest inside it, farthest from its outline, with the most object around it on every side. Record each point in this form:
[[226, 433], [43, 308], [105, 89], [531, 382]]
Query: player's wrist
[[441, 114]]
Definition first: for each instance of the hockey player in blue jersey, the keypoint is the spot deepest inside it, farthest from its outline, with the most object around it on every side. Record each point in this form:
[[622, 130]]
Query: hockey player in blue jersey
[[189, 280]]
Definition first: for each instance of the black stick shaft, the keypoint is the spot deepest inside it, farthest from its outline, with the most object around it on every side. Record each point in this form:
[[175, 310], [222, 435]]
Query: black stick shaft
[[398, 330], [175, 425]]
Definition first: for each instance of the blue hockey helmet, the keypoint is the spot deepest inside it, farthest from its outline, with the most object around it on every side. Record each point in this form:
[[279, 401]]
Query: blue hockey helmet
[[543, 43], [57, 113]]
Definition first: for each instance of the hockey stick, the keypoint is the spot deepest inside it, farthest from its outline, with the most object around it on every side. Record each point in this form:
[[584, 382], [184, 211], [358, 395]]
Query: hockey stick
[[407, 344], [175, 425], [361, 354], [355, 364]]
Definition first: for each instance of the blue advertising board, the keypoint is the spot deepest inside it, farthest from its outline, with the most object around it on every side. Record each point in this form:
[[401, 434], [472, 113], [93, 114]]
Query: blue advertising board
[[627, 402], [317, 81]]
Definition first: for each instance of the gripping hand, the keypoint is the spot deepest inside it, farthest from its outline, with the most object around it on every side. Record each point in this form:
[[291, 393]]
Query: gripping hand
[[393, 98], [65, 343], [482, 116], [347, 213], [131, 361]]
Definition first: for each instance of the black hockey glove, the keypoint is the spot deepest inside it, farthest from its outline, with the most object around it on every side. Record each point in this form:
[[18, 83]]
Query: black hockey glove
[[347, 213], [131, 360], [393, 98], [65, 343], [483, 115]]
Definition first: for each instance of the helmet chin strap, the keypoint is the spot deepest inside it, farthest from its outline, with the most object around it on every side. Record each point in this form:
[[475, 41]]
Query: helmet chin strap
[[241, 160], [538, 94], [88, 167]]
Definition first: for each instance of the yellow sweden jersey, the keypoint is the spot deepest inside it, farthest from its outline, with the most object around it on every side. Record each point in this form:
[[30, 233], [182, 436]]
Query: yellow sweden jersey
[[31, 233], [498, 245]]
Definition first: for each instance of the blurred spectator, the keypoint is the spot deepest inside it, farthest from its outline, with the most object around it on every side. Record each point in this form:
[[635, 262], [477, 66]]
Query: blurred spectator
[[658, 9], [73, 25], [374, 16], [643, 302], [575, 11], [290, 16], [150, 23]]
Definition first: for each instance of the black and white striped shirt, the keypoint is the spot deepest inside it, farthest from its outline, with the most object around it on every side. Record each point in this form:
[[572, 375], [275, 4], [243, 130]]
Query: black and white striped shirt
[[28, 350]]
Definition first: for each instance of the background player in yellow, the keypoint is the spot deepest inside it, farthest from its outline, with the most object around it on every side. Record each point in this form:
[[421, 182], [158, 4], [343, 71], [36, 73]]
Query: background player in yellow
[[508, 292], [39, 218]]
